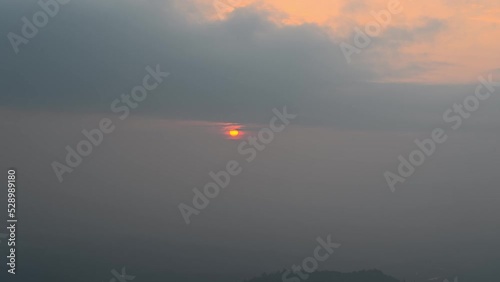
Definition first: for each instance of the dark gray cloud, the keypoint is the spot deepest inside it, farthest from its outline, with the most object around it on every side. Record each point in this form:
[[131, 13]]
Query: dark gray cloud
[[235, 70]]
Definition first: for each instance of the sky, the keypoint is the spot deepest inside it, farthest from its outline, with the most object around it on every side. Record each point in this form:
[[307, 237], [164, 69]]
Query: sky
[[213, 67]]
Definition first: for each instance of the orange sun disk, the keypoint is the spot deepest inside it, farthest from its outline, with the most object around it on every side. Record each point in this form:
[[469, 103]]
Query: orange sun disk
[[234, 133]]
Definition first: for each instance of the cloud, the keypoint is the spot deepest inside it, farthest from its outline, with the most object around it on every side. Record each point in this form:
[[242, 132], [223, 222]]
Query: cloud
[[234, 70]]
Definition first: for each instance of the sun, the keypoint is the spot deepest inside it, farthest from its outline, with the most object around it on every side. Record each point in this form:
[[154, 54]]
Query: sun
[[234, 133]]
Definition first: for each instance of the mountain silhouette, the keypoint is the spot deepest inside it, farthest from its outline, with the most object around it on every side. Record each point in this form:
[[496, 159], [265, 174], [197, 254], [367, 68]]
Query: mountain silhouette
[[373, 275]]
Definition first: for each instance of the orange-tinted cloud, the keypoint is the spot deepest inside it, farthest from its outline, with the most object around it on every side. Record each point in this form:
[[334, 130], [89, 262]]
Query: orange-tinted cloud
[[464, 48]]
